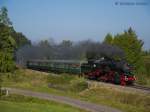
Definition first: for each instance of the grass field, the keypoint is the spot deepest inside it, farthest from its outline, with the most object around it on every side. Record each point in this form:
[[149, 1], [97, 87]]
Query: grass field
[[18, 103], [72, 86]]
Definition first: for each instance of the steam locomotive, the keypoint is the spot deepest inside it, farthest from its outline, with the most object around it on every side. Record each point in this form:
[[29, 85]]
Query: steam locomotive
[[104, 69]]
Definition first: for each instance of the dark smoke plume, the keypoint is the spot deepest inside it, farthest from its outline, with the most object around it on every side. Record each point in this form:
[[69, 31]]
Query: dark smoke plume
[[67, 50]]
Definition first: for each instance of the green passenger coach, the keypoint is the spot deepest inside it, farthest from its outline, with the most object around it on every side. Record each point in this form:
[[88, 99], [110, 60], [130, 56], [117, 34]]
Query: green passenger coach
[[59, 66]]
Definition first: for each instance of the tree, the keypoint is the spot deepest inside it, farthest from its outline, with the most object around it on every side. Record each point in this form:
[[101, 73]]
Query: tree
[[20, 39], [44, 43], [10, 40], [132, 46], [65, 49], [4, 17], [7, 45], [66, 43], [46, 49], [108, 39]]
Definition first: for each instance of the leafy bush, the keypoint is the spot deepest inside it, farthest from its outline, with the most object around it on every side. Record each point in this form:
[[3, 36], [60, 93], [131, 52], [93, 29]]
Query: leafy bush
[[78, 84]]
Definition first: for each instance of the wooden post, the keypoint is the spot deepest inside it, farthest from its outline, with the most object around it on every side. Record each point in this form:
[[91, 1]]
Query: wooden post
[[7, 92]]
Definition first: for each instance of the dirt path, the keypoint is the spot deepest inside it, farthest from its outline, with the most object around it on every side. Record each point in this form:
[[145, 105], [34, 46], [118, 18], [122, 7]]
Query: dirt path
[[73, 102]]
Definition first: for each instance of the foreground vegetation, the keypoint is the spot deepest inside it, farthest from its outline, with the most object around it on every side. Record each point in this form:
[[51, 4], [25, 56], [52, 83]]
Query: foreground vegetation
[[73, 86], [143, 77], [19, 103]]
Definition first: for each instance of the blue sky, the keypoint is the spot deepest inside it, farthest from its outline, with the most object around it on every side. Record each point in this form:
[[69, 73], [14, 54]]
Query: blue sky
[[78, 19]]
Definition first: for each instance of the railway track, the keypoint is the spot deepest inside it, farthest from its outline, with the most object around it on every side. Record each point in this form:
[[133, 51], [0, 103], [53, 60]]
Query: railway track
[[136, 86], [132, 88]]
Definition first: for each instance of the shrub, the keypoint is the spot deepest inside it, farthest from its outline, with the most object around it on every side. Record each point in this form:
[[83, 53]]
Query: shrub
[[78, 84]]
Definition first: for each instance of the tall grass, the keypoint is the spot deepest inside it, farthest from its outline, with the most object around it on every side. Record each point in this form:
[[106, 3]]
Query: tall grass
[[129, 102], [68, 82]]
